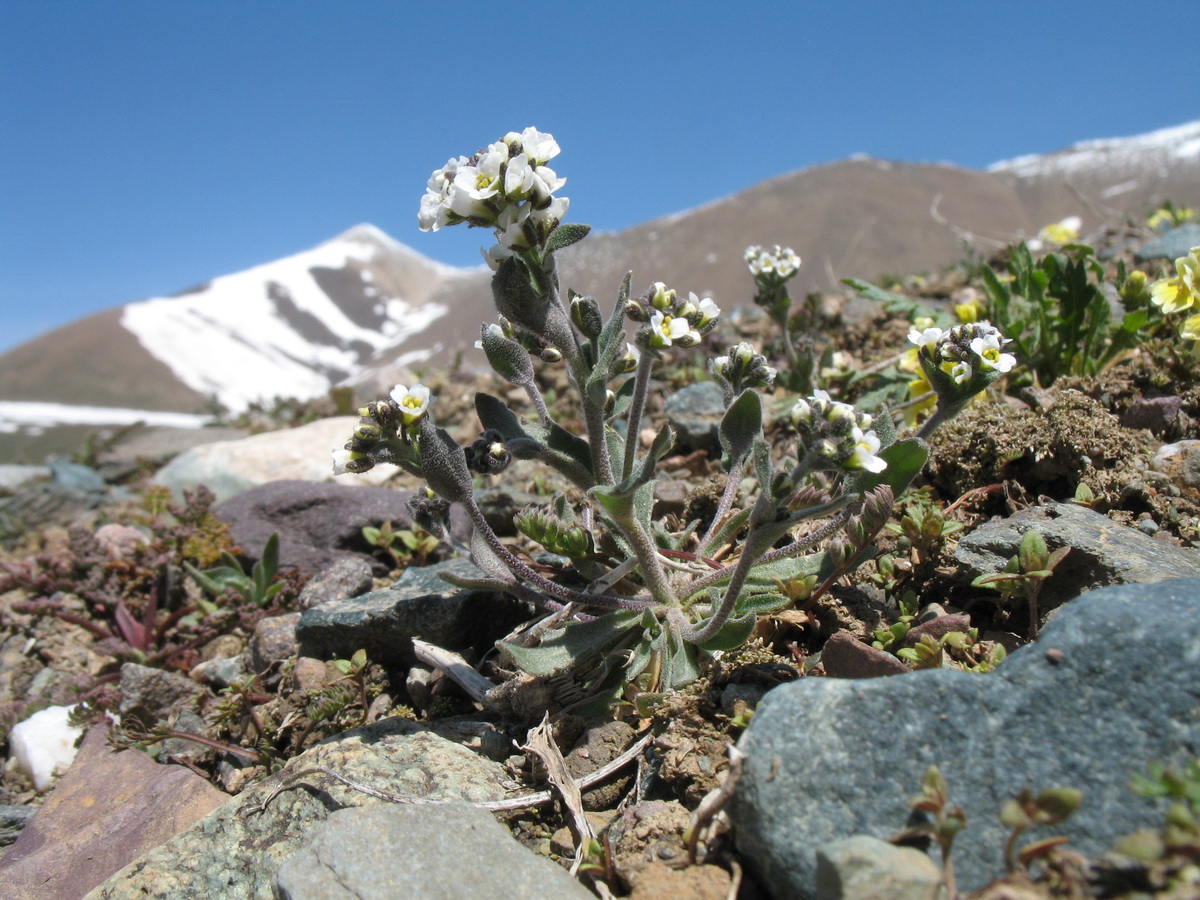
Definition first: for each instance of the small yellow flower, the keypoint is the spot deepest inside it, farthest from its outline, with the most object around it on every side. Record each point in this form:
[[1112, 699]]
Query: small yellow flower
[[971, 311], [1063, 232], [1183, 291], [919, 388], [1190, 329]]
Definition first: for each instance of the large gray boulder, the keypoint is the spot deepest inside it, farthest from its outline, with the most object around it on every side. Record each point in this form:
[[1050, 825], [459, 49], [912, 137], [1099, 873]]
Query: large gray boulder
[[1108, 687], [235, 852], [421, 853]]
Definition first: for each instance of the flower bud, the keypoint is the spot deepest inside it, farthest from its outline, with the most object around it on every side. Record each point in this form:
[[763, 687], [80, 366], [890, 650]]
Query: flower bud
[[585, 315], [661, 297]]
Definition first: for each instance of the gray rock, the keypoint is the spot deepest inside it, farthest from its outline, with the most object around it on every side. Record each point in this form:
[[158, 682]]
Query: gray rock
[[866, 868], [346, 577], [42, 504], [420, 605], [1170, 244], [695, 412], [228, 468], [15, 477], [151, 447], [13, 820], [1107, 688], [235, 852], [155, 695], [274, 640], [81, 478], [319, 524], [464, 852], [1103, 552]]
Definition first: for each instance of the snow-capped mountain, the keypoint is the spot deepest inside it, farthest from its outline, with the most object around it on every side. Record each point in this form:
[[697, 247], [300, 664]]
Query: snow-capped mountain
[[1159, 150], [294, 327]]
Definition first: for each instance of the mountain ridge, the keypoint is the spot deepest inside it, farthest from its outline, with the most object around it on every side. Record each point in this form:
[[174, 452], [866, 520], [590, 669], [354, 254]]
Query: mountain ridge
[[362, 307]]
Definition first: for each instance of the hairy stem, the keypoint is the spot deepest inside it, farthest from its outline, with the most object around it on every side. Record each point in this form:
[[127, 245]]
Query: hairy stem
[[641, 385], [727, 497], [521, 570]]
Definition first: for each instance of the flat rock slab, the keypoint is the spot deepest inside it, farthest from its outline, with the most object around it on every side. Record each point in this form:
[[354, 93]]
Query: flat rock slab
[[1103, 552], [235, 852], [419, 604], [109, 809], [421, 853], [1110, 686]]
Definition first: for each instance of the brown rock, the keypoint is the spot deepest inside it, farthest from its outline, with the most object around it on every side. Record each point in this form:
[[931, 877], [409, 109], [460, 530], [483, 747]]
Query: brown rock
[[109, 809], [935, 628], [845, 656]]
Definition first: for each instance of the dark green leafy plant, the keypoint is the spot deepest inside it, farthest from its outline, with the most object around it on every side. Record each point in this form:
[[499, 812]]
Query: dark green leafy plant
[[1056, 312], [258, 588], [406, 546]]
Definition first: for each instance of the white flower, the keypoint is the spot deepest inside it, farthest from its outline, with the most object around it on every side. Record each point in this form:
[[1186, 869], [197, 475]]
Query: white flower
[[550, 216], [788, 262], [482, 180], [988, 349], [802, 414], [495, 255], [866, 448], [666, 329], [708, 309], [413, 402], [538, 146], [435, 204], [341, 458], [961, 372], [546, 181], [929, 338], [518, 177]]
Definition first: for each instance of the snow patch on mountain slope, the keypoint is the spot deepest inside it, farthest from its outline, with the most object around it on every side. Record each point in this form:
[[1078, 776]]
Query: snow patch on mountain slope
[[1167, 145], [18, 415], [273, 330]]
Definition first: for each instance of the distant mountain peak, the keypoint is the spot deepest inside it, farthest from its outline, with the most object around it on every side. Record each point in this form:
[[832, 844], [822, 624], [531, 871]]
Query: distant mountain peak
[[295, 326], [1178, 144]]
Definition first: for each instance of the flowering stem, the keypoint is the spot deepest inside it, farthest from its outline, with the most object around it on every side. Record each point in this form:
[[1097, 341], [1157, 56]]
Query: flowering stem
[[647, 554], [535, 397], [727, 497], [641, 386], [518, 568], [783, 552]]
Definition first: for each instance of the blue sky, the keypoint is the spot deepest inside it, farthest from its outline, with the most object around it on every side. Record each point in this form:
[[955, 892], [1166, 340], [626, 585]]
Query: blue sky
[[150, 146]]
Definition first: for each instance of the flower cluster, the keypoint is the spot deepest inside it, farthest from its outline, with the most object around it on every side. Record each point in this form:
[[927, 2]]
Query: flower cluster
[[964, 350], [384, 428], [836, 434], [670, 320], [507, 186], [743, 367], [777, 264]]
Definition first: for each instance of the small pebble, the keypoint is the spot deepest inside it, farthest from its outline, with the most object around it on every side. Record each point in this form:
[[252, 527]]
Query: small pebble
[[1148, 526]]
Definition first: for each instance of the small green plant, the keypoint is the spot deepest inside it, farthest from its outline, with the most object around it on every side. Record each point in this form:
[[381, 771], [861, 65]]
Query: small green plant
[[923, 526], [257, 589], [1173, 850], [944, 823], [406, 546], [1057, 314], [1025, 574], [1025, 811], [891, 637]]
